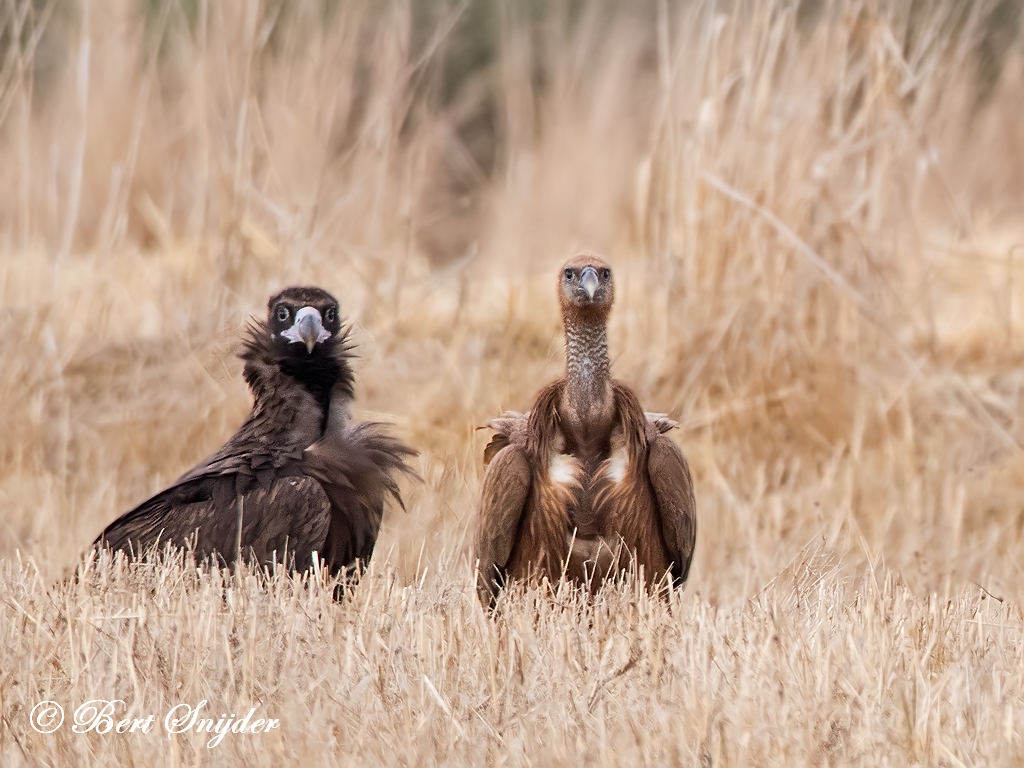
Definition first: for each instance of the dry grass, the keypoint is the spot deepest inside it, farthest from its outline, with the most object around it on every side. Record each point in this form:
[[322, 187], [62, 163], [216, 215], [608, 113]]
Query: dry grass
[[814, 216]]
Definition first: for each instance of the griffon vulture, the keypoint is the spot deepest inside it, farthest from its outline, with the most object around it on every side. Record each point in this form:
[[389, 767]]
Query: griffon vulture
[[586, 483], [299, 475]]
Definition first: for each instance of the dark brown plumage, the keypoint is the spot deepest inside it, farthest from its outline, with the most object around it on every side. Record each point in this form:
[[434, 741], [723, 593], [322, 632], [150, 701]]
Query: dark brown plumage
[[586, 483], [299, 475]]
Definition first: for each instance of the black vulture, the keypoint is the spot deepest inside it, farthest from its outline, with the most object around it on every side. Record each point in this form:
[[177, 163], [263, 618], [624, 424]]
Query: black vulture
[[300, 475]]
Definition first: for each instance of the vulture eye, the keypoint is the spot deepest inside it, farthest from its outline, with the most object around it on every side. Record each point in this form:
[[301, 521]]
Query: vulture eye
[[607, 274], [282, 313], [568, 274], [329, 315]]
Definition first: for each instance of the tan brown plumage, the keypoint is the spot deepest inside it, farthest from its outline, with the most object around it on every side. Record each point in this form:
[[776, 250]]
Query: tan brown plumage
[[586, 482], [299, 475]]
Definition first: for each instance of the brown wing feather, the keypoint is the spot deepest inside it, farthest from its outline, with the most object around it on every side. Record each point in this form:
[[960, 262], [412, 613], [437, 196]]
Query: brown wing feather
[[357, 466], [510, 427], [505, 490], [542, 428], [285, 514], [677, 507], [494, 447]]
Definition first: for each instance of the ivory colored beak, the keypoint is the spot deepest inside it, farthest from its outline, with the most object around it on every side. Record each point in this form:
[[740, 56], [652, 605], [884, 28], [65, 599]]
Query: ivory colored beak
[[308, 329], [589, 282]]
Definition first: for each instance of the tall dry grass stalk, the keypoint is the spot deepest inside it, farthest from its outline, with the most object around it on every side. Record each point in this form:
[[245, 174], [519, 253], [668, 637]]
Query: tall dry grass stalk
[[814, 214]]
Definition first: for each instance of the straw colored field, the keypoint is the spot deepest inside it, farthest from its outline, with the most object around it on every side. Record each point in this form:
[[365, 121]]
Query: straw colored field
[[813, 210]]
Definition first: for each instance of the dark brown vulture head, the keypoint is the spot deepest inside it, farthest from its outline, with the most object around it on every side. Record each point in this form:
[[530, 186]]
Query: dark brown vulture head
[[301, 320], [304, 337], [585, 289]]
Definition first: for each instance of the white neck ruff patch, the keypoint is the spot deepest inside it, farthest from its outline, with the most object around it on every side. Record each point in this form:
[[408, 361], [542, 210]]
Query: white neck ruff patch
[[562, 470], [617, 464]]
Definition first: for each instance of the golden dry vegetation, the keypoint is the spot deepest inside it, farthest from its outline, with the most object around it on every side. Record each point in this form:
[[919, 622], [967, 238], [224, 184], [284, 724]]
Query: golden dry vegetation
[[814, 212]]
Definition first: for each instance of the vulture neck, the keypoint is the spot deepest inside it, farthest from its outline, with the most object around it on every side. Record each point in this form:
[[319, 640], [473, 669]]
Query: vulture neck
[[323, 374], [587, 369], [319, 376]]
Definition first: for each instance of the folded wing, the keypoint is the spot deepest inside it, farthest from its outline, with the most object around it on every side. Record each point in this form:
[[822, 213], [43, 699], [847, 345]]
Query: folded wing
[[677, 507], [505, 491], [206, 511]]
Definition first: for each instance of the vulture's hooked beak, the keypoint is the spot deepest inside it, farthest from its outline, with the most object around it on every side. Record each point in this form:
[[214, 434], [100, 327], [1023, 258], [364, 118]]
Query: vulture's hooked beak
[[308, 328], [589, 282]]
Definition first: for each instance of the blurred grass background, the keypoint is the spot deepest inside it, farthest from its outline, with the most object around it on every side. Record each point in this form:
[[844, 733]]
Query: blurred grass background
[[814, 213], [813, 208]]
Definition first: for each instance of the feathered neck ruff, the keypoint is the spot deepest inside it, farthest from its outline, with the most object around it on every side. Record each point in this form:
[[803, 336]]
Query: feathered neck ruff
[[269, 364]]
